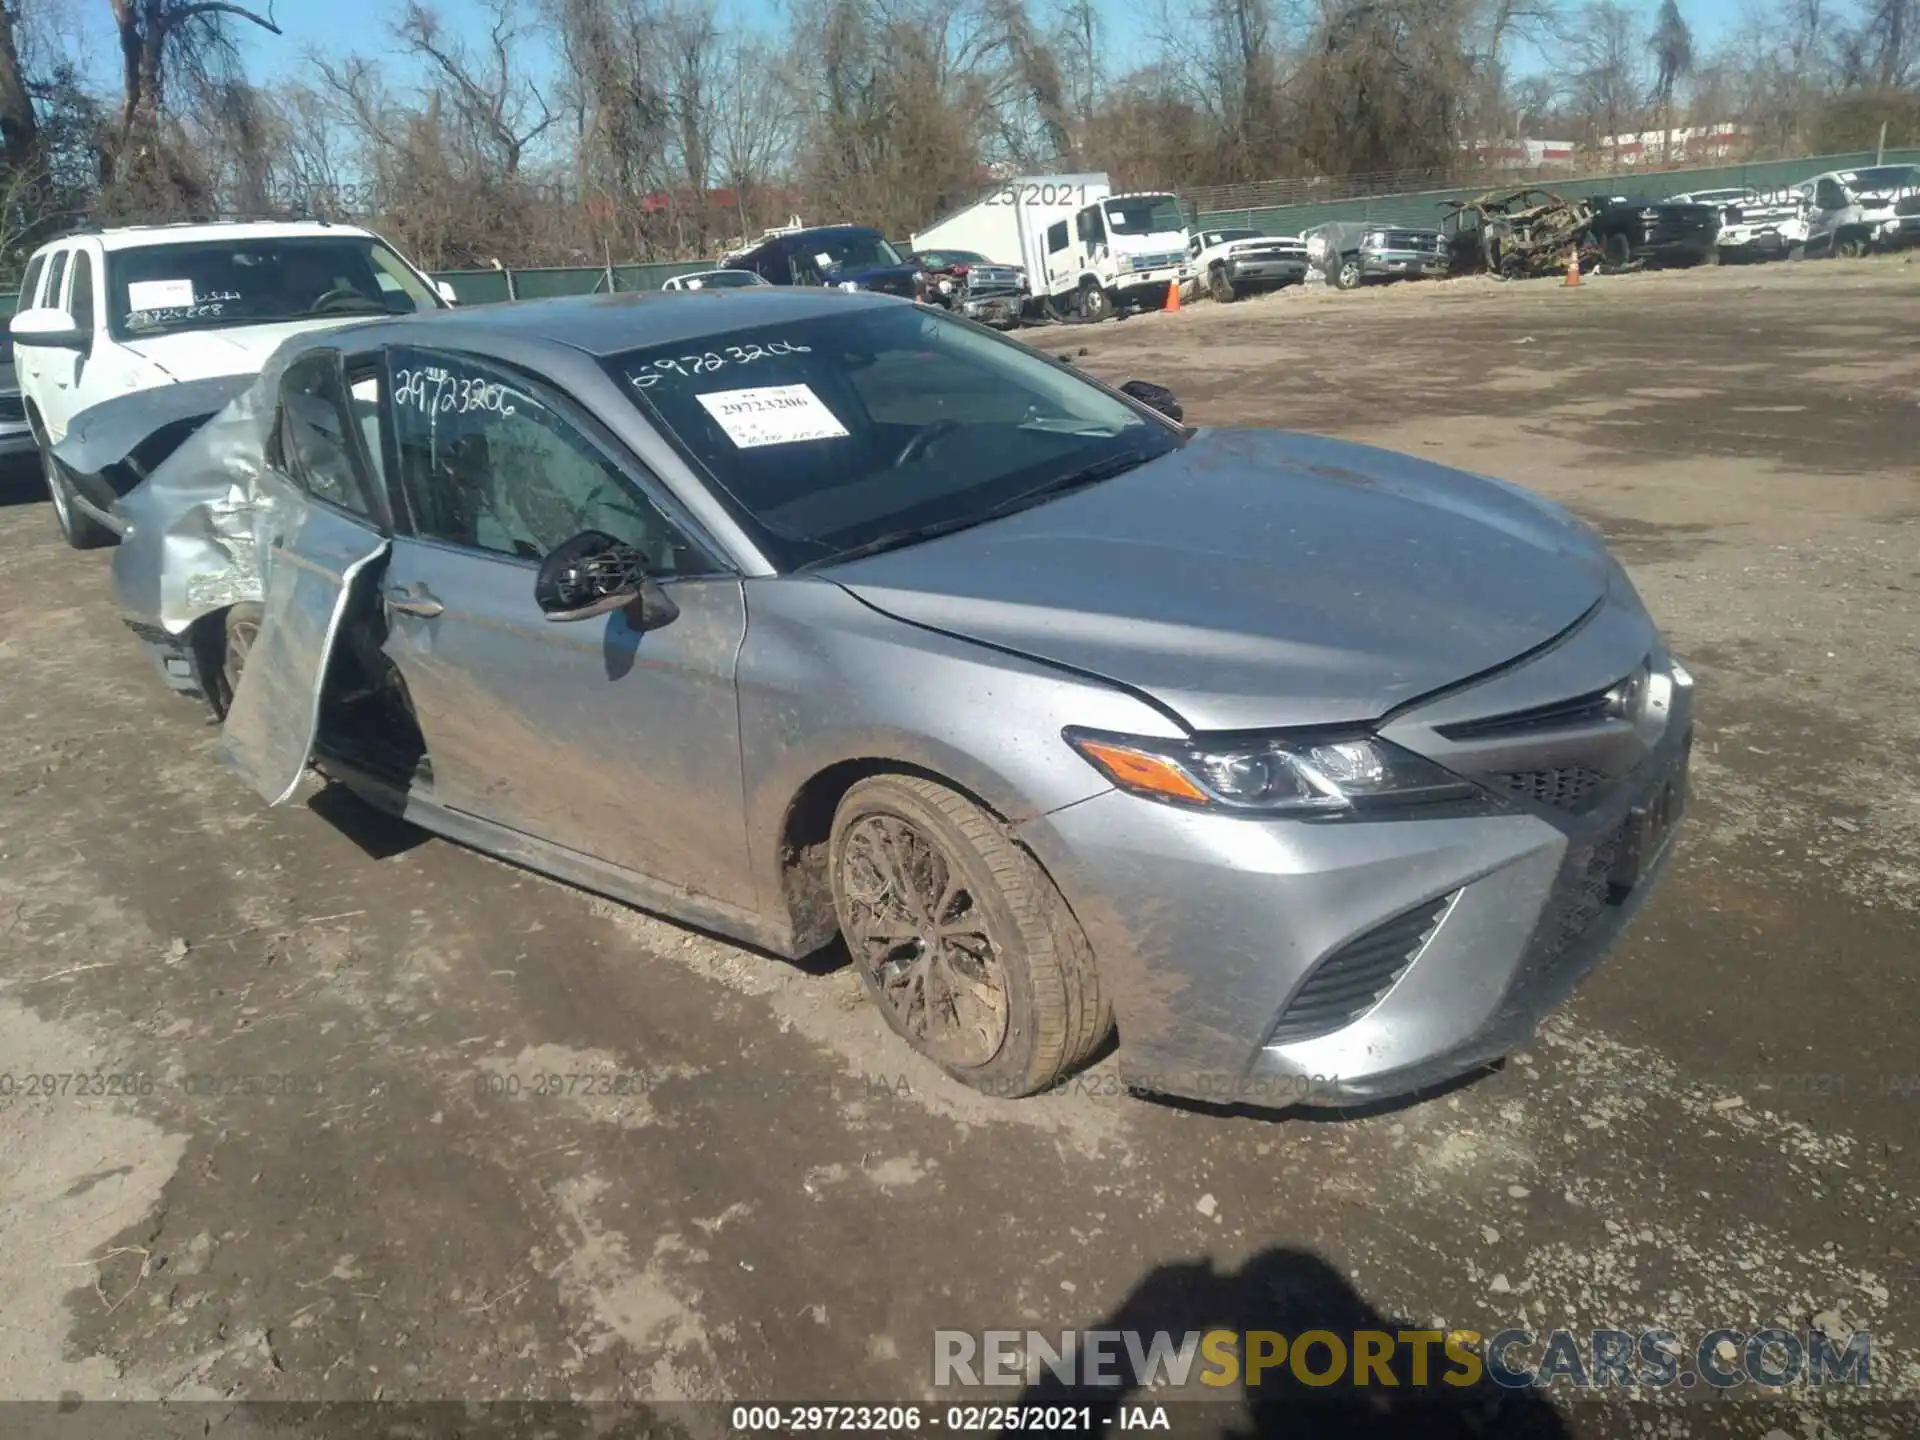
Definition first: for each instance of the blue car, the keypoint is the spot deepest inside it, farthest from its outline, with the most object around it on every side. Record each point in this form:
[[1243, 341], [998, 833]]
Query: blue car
[[845, 257]]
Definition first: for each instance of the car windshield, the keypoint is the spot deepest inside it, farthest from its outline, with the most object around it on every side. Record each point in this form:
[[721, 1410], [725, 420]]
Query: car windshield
[[862, 431], [1144, 215], [1884, 177], [160, 289], [850, 250], [720, 280], [1221, 237]]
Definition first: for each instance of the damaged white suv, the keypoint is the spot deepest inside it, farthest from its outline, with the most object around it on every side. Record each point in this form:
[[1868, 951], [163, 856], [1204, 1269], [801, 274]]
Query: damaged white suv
[[106, 312]]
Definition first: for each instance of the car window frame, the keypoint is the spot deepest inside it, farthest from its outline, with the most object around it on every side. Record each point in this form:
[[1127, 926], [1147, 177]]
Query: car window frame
[[82, 261], [57, 278], [639, 477], [370, 481], [30, 280]]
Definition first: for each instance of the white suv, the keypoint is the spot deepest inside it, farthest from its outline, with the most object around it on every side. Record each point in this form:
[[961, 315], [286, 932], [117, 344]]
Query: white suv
[[105, 312]]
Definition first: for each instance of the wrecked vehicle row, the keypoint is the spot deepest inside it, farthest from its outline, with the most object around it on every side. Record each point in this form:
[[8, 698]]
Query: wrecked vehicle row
[[803, 617]]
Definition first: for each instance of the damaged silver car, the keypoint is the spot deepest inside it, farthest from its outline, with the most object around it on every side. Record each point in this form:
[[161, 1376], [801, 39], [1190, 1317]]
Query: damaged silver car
[[1319, 772]]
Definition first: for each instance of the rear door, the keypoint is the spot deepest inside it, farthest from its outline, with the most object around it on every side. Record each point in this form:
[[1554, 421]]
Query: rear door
[[324, 530]]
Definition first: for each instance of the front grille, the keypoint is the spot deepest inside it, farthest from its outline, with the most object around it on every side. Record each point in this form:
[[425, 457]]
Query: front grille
[[1412, 240], [1580, 711], [1349, 982], [1564, 787]]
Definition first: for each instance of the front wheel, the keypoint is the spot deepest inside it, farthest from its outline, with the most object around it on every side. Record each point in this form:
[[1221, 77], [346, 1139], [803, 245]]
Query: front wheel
[[239, 628], [80, 529], [1617, 251], [1347, 274], [961, 939], [1219, 286], [1850, 247]]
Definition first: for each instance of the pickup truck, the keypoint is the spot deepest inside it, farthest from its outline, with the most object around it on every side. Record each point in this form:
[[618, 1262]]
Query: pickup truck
[[1232, 263]]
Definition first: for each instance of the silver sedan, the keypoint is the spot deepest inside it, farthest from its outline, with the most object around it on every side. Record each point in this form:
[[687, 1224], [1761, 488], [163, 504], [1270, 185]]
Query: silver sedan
[[1318, 772]]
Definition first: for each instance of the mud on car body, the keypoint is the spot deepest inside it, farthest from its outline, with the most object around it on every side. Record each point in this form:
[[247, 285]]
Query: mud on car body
[[846, 618]]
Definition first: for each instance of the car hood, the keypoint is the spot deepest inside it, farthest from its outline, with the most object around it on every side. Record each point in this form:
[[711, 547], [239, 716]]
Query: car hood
[[203, 354], [1258, 578]]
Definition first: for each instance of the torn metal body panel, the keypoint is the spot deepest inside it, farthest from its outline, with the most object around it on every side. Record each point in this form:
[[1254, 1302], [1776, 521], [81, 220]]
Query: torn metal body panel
[[1515, 233], [314, 557], [190, 525]]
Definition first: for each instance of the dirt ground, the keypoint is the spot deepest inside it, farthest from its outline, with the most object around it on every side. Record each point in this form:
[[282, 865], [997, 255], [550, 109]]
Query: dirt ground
[[1719, 1130]]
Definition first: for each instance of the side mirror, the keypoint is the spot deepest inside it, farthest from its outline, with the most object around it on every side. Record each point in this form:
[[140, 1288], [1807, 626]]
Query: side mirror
[[444, 288], [595, 574], [49, 328], [1157, 397]]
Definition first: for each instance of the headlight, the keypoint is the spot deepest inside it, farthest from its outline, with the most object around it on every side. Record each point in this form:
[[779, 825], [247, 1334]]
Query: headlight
[[1270, 775], [1374, 240], [1123, 263], [849, 285]]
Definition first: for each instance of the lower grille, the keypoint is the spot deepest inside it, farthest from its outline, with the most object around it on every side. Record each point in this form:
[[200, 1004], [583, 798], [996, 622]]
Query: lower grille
[[1585, 891], [1349, 982], [1564, 787]]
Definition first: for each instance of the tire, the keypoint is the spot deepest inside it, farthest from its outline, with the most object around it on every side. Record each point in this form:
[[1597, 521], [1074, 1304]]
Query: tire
[[1617, 252], [1346, 275], [1850, 247], [904, 852], [1712, 257], [1797, 251], [1219, 286], [1093, 303], [80, 529], [232, 641]]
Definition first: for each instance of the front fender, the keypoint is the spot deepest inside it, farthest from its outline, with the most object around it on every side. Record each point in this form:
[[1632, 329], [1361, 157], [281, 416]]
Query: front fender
[[826, 680]]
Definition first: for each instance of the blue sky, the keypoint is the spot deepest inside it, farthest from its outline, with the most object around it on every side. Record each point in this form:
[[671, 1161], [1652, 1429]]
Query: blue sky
[[339, 27]]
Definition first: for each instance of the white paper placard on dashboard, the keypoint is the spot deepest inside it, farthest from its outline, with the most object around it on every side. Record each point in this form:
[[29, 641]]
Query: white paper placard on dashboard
[[159, 294], [772, 415]]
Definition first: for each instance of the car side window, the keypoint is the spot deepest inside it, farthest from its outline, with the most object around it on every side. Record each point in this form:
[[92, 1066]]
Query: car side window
[[1056, 237], [80, 293], [487, 463], [774, 268], [1088, 223], [1828, 195], [314, 445], [56, 273], [30, 282]]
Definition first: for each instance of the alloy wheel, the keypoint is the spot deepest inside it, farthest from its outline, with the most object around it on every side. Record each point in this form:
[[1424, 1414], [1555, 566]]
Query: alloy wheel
[[917, 930], [58, 493]]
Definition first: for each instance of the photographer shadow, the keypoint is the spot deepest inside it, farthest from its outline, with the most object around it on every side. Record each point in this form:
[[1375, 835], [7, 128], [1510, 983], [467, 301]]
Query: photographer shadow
[[1292, 1292]]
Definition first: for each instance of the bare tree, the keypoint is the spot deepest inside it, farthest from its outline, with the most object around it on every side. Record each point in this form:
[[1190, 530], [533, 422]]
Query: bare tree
[[1672, 46], [1607, 79]]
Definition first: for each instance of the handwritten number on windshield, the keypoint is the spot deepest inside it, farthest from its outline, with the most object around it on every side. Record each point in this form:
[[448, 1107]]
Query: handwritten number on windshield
[[688, 366]]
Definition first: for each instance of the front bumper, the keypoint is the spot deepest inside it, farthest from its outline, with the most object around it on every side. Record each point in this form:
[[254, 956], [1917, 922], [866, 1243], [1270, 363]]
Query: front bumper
[[1283, 272], [1207, 927], [1759, 241], [16, 440], [990, 309], [1419, 264]]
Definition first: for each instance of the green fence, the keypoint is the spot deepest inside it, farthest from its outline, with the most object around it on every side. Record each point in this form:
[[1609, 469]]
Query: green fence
[[1422, 207], [492, 287]]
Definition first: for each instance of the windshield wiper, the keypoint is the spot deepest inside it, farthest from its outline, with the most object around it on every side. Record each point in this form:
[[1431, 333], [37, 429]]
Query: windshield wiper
[[1025, 500]]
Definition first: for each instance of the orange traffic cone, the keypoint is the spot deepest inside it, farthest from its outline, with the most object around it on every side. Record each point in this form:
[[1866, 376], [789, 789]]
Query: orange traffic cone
[[1173, 297], [1573, 269]]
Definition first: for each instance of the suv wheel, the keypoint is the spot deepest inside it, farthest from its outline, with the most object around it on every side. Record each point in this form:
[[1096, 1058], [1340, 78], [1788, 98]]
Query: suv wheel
[[1219, 286], [960, 938], [1346, 275], [81, 530]]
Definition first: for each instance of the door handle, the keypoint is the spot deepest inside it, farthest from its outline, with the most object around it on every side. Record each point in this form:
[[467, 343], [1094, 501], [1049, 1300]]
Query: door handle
[[414, 602]]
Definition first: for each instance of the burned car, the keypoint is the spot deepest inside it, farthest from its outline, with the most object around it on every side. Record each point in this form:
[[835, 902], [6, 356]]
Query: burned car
[[1321, 771], [1514, 233]]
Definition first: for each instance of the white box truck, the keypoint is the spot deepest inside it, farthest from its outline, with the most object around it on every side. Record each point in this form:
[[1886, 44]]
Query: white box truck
[[1087, 252]]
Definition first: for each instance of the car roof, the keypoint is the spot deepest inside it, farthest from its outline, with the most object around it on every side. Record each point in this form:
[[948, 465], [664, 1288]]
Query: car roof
[[125, 237], [600, 325]]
